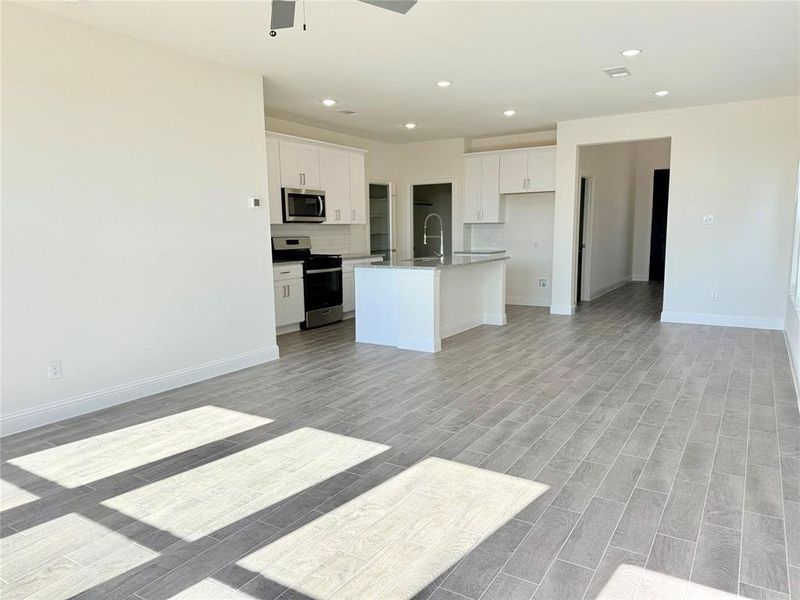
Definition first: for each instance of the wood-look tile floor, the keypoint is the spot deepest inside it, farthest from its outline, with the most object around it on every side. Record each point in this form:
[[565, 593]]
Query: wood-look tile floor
[[618, 457]]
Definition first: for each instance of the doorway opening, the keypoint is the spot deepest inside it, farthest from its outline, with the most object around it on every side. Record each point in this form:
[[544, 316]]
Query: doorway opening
[[431, 221], [581, 236], [381, 238], [658, 226]]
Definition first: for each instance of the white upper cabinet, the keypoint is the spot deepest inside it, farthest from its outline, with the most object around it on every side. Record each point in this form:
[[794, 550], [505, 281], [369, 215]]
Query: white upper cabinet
[[274, 180], [481, 194], [299, 165], [532, 170], [490, 190], [334, 173], [339, 171], [358, 189], [542, 169], [513, 172], [472, 189]]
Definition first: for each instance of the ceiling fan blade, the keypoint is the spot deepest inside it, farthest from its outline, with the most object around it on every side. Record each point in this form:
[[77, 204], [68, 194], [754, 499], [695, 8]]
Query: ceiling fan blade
[[282, 14], [398, 6]]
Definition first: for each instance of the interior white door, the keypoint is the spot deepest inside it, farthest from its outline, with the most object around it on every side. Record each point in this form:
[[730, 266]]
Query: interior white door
[[472, 189], [513, 172], [334, 173], [542, 170], [358, 189], [274, 181], [490, 190]]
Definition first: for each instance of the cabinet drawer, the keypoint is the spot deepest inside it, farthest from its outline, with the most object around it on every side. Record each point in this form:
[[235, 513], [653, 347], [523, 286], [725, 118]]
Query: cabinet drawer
[[282, 272]]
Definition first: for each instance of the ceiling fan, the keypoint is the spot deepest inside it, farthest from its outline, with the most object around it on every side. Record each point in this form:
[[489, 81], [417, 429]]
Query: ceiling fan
[[283, 11]]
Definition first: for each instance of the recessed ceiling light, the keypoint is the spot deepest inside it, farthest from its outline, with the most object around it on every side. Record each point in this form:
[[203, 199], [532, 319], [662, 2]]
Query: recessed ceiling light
[[410, 125], [661, 93], [510, 112], [631, 52], [444, 83], [329, 102], [615, 72]]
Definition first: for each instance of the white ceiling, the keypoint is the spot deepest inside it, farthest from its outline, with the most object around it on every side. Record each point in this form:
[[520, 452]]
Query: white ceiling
[[542, 58]]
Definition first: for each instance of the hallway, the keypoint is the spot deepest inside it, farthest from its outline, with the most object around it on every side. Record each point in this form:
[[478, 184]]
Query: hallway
[[601, 440]]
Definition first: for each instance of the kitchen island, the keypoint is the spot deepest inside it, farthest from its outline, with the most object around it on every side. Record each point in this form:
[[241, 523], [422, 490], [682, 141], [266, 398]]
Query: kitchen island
[[414, 304]]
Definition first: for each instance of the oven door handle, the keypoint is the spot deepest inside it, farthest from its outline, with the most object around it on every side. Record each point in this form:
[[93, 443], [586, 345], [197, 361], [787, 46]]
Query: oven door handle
[[321, 204], [315, 271]]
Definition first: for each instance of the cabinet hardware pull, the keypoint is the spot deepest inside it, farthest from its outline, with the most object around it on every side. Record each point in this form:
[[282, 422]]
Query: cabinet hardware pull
[[285, 272], [353, 214]]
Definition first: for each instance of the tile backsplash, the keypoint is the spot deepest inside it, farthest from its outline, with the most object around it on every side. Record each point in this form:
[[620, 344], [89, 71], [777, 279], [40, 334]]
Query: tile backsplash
[[486, 236], [327, 239]]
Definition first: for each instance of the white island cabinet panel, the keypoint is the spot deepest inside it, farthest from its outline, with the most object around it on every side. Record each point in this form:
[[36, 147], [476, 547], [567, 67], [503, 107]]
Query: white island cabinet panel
[[415, 304]]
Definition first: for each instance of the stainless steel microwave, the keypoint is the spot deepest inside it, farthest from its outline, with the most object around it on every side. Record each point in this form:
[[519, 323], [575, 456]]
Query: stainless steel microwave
[[303, 206]]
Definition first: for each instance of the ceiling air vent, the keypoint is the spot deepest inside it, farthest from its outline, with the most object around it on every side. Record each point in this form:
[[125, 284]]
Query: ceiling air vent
[[615, 72], [347, 111]]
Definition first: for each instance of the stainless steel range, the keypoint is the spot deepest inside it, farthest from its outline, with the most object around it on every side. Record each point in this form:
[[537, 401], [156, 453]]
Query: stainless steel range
[[322, 279]]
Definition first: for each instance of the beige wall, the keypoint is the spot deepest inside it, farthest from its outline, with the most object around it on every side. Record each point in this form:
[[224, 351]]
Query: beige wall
[[736, 161], [129, 251]]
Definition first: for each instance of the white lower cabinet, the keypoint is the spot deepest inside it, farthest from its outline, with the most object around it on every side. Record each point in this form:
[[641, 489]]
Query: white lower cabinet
[[288, 291], [348, 290]]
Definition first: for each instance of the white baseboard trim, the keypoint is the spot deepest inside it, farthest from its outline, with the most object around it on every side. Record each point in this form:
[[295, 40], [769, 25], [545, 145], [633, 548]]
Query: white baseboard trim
[[92, 401], [791, 365], [562, 309], [451, 329], [640, 277], [495, 319], [527, 301], [420, 345], [609, 288], [669, 316]]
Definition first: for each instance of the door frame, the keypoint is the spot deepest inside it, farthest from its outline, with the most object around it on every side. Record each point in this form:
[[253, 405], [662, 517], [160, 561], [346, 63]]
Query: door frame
[[588, 222], [409, 204], [392, 215]]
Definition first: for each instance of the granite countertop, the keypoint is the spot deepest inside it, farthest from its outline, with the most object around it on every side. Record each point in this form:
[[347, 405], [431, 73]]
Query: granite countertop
[[480, 252], [445, 262], [360, 255]]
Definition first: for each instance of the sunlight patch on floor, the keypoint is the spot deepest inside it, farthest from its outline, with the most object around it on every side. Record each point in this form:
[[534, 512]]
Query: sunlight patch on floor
[[208, 589], [107, 454], [630, 582], [393, 540], [65, 556], [12, 495], [201, 500]]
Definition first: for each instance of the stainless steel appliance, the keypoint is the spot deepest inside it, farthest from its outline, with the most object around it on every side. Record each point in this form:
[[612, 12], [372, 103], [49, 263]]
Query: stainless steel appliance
[[322, 279], [303, 206]]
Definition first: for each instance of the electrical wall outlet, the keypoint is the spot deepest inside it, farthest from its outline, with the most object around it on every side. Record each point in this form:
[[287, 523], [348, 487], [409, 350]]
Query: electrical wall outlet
[[714, 296], [54, 369], [255, 202], [708, 219], [543, 283]]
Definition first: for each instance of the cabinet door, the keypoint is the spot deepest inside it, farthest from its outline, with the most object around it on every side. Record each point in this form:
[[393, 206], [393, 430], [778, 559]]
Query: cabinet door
[[358, 189], [308, 162], [274, 180], [472, 189], [542, 170], [334, 170], [299, 165], [295, 303], [290, 168], [490, 192], [348, 291], [513, 172], [281, 304]]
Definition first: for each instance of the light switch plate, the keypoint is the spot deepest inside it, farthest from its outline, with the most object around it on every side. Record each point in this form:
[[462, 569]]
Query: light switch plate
[[708, 219], [255, 202]]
